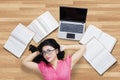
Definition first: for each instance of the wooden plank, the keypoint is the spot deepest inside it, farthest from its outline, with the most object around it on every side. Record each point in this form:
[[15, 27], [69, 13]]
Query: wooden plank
[[105, 14]]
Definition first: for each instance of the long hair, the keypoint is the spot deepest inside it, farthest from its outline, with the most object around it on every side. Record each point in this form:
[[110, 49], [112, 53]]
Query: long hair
[[51, 42]]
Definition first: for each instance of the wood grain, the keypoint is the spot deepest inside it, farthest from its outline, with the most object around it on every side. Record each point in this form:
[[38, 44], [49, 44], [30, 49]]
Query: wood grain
[[105, 14]]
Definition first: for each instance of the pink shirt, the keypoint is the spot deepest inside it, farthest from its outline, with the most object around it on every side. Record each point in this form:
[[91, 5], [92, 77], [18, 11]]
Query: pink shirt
[[62, 72]]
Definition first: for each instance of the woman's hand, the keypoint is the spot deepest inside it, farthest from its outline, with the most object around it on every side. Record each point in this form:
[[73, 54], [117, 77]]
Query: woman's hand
[[33, 48]]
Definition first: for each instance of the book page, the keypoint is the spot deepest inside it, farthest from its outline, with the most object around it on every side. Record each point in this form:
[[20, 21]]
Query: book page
[[36, 27], [22, 34], [103, 61], [90, 32], [108, 41], [93, 49], [14, 46], [18, 40], [48, 21]]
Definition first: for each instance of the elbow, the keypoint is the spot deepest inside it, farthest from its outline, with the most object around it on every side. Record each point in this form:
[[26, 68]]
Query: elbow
[[23, 62]]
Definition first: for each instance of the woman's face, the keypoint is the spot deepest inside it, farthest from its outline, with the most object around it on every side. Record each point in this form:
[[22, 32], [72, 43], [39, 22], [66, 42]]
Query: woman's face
[[49, 53]]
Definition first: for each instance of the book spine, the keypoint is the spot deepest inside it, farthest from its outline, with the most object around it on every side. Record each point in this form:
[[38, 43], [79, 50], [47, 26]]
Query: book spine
[[19, 40]]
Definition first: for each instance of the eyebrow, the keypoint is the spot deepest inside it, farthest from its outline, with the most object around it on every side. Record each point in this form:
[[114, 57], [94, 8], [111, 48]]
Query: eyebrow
[[48, 49]]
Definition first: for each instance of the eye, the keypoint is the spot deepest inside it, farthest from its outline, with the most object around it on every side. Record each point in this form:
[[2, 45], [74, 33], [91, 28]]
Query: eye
[[43, 52], [48, 50]]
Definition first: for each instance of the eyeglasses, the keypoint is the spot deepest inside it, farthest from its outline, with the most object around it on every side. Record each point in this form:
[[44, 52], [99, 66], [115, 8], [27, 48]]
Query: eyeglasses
[[47, 52]]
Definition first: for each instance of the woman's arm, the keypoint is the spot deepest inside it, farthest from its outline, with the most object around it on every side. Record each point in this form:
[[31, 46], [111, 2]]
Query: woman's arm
[[80, 49], [28, 63]]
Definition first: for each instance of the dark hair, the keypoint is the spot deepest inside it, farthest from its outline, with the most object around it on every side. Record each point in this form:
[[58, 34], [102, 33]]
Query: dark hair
[[51, 42], [54, 44]]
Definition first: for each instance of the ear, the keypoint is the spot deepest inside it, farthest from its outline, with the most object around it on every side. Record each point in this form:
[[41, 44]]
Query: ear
[[56, 51]]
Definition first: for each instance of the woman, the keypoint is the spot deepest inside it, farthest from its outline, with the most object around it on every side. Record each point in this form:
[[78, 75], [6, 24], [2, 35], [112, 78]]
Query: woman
[[53, 66]]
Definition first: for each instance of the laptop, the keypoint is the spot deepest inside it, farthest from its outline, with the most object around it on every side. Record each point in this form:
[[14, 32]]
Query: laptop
[[72, 22]]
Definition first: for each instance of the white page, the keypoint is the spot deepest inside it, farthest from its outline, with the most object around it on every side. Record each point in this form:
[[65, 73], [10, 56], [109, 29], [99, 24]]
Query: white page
[[108, 41], [38, 35], [93, 48], [90, 33], [18, 40], [39, 27], [36, 27], [48, 21], [22, 34], [103, 61], [14, 46]]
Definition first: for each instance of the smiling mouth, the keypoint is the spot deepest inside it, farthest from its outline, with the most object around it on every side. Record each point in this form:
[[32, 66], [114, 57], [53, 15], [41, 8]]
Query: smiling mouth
[[48, 58]]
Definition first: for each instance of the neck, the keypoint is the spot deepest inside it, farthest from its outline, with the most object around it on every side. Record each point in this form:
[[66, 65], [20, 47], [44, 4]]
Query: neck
[[54, 62]]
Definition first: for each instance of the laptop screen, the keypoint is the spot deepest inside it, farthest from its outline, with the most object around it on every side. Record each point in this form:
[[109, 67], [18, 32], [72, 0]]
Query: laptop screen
[[73, 14]]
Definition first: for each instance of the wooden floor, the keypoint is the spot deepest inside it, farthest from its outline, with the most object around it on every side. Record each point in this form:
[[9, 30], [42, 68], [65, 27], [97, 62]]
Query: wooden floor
[[105, 14]]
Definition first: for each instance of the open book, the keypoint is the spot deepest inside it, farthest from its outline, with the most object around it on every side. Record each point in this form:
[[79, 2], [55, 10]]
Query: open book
[[107, 40], [98, 56], [18, 40], [43, 25]]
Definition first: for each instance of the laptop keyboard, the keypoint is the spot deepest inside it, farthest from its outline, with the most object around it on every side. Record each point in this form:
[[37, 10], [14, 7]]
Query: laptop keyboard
[[76, 28]]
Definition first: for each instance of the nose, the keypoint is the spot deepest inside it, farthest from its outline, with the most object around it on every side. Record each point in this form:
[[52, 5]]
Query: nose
[[47, 54]]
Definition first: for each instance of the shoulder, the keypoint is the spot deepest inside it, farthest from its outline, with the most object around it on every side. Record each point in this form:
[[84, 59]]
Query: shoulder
[[67, 60], [41, 64]]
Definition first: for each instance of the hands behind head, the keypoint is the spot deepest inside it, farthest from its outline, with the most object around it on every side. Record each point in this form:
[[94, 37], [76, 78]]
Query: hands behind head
[[32, 48], [62, 47]]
